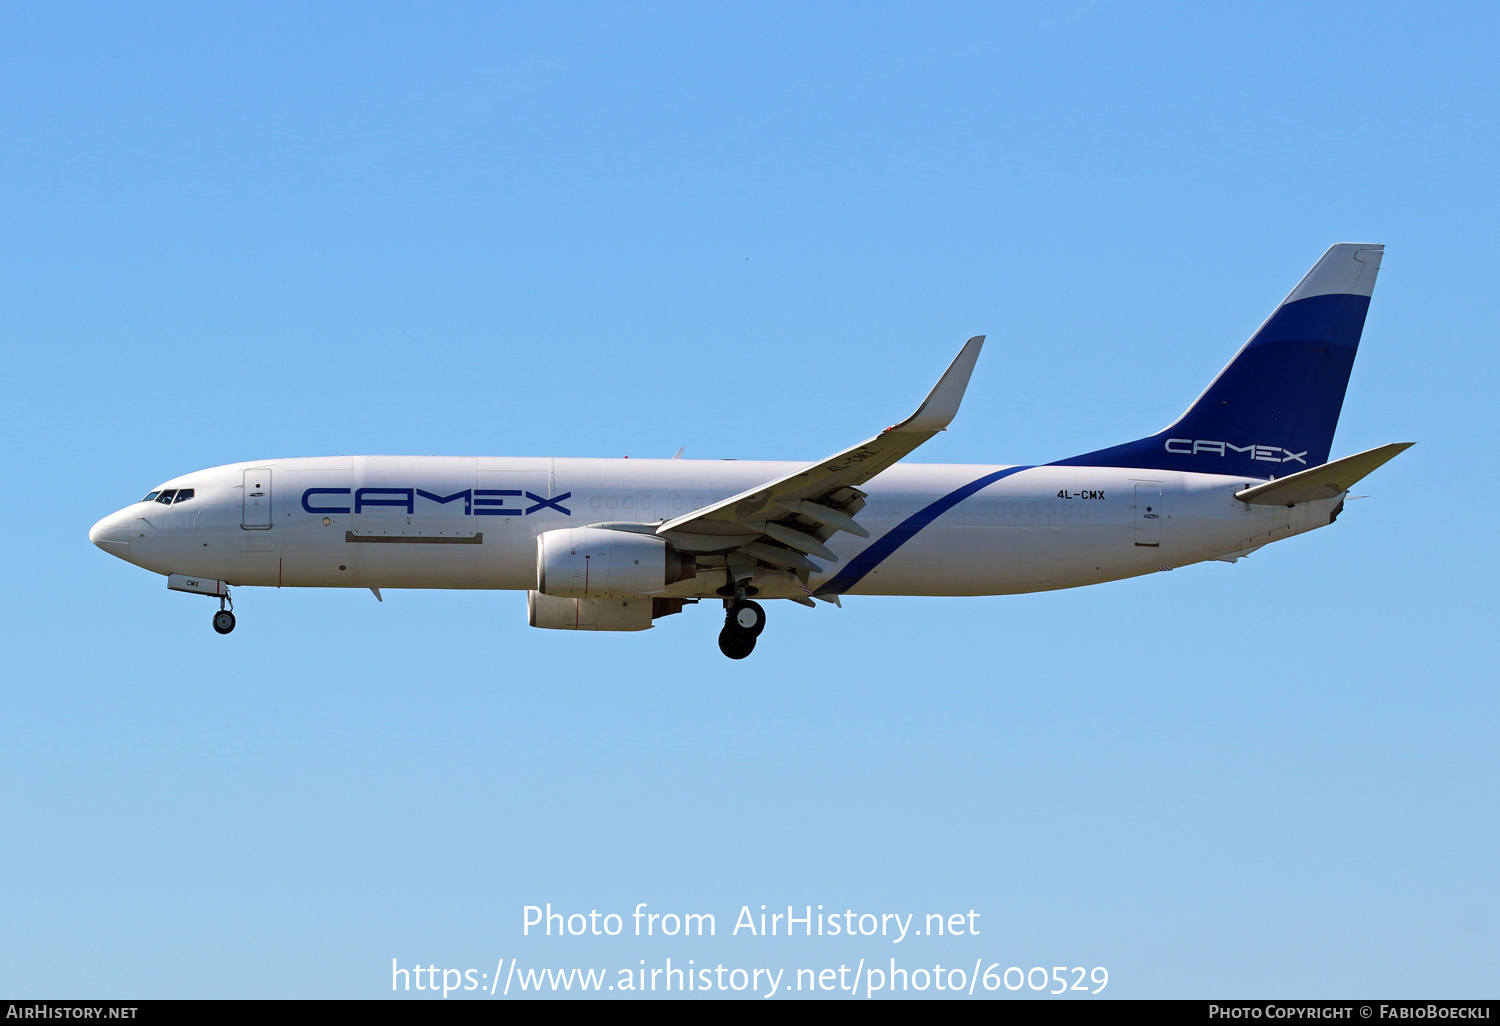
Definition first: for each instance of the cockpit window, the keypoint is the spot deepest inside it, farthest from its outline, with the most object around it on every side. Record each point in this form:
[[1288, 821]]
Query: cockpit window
[[168, 496]]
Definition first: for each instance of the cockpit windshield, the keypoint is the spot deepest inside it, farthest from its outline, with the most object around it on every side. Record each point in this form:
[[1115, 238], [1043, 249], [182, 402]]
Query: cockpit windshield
[[168, 496]]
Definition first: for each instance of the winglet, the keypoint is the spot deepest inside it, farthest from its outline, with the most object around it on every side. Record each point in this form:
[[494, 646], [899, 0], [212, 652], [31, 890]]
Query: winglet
[[941, 404]]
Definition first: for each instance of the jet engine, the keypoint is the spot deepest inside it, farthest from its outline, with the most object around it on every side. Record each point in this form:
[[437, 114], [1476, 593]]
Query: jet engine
[[597, 563]]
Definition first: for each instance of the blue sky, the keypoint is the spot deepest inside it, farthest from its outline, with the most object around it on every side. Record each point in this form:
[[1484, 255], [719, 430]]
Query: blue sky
[[757, 231]]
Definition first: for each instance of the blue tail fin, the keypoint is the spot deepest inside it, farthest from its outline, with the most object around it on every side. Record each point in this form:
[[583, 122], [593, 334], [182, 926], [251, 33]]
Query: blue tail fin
[[1273, 410]]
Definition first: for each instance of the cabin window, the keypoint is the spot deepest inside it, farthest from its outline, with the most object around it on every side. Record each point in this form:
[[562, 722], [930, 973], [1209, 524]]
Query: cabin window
[[1067, 510], [595, 502], [610, 502]]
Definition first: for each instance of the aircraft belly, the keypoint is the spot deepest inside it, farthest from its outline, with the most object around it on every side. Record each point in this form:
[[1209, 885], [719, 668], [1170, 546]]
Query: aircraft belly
[[499, 556], [999, 560], [1030, 545]]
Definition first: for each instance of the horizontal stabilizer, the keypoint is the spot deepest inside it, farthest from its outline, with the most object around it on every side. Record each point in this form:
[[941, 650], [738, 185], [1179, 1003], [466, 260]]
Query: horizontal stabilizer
[[1323, 482]]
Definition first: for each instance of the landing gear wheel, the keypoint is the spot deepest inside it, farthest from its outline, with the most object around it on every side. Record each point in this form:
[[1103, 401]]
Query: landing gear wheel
[[736, 643], [743, 622], [223, 621], [748, 617]]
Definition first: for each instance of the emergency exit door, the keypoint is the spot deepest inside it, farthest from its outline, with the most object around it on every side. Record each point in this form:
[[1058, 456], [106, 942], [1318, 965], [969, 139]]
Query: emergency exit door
[[256, 504], [1148, 515]]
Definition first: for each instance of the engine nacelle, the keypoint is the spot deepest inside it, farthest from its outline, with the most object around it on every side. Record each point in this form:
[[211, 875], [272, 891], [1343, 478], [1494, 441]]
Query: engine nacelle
[[596, 563], [572, 614], [580, 614]]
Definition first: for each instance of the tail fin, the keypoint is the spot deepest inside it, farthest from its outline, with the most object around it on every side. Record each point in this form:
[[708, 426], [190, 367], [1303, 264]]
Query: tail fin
[[1273, 410]]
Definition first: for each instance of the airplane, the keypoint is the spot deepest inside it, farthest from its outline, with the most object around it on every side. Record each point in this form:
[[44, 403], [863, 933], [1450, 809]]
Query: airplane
[[615, 544]]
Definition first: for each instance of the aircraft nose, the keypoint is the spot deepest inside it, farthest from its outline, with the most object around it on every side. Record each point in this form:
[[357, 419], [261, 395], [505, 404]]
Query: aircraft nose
[[111, 536]]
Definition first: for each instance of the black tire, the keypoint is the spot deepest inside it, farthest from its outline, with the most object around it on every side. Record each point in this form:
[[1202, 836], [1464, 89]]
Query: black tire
[[223, 621], [740, 612], [736, 644]]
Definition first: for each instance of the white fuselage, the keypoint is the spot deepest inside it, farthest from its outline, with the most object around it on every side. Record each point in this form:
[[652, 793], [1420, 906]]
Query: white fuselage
[[382, 522]]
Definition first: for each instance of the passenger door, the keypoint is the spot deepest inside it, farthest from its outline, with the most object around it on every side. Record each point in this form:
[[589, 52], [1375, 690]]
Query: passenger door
[[1148, 515], [255, 504]]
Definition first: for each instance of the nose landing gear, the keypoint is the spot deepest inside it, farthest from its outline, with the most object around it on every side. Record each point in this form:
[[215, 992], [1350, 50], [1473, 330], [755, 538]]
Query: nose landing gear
[[224, 618], [743, 622]]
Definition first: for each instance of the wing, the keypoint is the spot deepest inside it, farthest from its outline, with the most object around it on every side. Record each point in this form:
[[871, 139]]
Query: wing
[[787, 520]]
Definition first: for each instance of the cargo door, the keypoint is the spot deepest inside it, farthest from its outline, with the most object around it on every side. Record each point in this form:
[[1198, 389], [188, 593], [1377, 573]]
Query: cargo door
[[255, 508]]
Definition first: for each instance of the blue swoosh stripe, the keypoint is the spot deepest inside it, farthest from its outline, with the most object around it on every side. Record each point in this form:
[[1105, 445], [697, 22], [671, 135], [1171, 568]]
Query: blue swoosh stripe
[[882, 547]]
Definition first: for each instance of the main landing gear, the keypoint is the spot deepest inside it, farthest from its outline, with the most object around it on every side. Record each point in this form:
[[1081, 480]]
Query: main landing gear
[[224, 618], [743, 622]]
